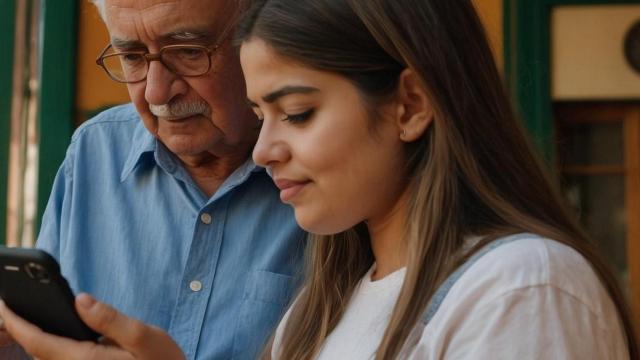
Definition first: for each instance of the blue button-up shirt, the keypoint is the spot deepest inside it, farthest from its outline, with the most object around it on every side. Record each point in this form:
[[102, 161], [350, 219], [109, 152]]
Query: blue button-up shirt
[[129, 226]]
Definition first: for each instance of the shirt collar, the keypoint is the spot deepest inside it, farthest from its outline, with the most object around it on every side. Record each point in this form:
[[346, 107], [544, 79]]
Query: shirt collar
[[239, 176], [142, 150], [146, 148]]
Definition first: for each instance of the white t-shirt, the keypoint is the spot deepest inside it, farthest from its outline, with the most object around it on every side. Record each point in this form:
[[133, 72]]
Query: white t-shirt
[[532, 298], [356, 335]]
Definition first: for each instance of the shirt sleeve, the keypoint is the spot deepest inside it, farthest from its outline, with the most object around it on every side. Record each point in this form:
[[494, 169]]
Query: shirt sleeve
[[537, 322], [57, 212]]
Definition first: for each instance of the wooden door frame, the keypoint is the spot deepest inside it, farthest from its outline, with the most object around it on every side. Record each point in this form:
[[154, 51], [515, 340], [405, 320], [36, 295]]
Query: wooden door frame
[[56, 105], [527, 63], [632, 191], [628, 113], [7, 29], [527, 59]]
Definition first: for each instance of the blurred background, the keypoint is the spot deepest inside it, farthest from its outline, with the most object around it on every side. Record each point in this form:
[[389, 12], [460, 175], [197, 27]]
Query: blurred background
[[572, 67]]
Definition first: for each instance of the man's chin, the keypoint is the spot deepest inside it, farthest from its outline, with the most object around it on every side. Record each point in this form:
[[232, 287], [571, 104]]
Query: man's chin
[[185, 145]]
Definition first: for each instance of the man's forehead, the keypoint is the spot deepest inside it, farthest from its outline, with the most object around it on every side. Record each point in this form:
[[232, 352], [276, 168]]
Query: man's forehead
[[184, 10], [204, 37], [161, 19], [149, 4]]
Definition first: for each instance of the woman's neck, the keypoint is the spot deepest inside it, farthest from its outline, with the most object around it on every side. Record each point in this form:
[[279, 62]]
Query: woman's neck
[[387, 240]]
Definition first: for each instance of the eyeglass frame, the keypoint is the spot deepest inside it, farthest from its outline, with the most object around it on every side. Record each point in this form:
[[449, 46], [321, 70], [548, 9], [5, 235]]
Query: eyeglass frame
[[149, 57]]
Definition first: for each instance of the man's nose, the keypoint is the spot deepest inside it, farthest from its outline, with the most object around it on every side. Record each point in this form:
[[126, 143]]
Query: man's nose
[[270, 149], [162, 85]]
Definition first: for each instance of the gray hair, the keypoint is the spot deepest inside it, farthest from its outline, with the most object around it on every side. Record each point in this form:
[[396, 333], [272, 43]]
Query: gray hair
[[100, 6]]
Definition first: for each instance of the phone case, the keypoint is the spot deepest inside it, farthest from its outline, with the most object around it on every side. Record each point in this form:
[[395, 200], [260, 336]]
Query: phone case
[[31, 285]]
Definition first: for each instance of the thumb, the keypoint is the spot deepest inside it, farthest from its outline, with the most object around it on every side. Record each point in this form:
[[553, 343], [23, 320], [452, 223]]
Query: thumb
[[5, 337], [143, 341], [106, 320]]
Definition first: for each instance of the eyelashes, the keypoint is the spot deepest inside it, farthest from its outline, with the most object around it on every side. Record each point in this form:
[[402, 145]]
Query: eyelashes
[[300, 117], [292, 118]]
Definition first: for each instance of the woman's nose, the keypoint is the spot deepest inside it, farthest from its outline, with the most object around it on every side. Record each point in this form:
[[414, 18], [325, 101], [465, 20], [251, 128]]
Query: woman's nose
[[271, 148]]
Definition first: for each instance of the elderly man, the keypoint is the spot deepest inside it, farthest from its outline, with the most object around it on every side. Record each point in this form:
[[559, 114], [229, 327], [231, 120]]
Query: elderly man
[[158, 209]]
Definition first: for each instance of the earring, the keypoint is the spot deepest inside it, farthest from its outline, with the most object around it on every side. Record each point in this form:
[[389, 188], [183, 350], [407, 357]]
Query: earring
[[403, 134]]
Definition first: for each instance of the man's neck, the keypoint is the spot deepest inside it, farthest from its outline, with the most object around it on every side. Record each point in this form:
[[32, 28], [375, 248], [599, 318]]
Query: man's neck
[[209, 171]]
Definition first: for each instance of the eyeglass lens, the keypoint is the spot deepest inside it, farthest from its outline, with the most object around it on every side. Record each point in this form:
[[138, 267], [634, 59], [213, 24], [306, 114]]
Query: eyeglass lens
[[186, 61]]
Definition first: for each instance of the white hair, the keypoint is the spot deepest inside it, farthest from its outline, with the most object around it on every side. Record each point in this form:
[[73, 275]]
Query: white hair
[[100, 6]]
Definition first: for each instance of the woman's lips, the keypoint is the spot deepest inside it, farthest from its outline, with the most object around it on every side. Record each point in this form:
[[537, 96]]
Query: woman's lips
[[289, 188]]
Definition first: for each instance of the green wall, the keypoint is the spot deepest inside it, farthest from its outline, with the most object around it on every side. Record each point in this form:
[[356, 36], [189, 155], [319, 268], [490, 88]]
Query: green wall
[[527, 62], [57, 91]]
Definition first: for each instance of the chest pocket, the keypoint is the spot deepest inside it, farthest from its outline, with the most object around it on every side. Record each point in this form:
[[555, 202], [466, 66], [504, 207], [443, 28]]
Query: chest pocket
[[265, 298]]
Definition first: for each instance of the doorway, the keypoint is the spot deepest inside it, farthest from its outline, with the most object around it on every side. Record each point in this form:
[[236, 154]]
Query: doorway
[[598, 161], [587, 130]]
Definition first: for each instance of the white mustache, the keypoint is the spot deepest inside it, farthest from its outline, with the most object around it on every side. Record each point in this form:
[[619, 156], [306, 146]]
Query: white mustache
[[180, 109]]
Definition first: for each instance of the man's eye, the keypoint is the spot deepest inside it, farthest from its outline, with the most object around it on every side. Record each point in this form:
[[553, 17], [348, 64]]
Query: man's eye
[[191, 53], [300, 117], [131, 58]]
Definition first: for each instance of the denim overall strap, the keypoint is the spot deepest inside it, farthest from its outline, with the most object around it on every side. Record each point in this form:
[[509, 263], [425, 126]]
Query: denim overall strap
[[443, 290]]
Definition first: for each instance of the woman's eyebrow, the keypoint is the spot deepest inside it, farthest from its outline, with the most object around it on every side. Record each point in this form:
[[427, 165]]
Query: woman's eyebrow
[[288, 90], [283, 91]]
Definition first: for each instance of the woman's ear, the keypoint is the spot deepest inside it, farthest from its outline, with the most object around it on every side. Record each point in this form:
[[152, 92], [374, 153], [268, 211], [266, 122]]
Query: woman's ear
[[414, 111]]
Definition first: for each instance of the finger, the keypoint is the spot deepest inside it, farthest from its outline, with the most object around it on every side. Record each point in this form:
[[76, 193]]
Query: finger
[[108, 321], [5, 338], [38, 343], [46, 346], [143, 341], [106, 341]]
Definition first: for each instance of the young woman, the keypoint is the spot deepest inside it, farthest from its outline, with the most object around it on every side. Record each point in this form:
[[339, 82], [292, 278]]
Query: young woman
[[386, 127]]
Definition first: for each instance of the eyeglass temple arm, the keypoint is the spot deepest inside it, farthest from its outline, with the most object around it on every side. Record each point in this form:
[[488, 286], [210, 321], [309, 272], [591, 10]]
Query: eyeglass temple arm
[[99, 58]]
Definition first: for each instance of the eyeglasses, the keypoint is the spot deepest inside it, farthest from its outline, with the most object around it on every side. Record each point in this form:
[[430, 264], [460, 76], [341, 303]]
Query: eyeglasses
[[133, 66]]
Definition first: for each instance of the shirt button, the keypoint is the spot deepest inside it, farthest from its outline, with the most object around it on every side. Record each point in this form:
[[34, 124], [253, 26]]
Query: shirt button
[[205, 218], [195, 286]]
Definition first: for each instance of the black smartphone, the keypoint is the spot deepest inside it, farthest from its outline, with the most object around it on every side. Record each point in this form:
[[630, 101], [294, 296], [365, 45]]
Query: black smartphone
[[31, 285]]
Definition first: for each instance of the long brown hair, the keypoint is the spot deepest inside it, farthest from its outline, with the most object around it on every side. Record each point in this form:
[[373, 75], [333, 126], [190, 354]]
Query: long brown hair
[[473, 172]]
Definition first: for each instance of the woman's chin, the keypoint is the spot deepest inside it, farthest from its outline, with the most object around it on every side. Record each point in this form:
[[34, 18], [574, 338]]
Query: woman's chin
[[319, 226]]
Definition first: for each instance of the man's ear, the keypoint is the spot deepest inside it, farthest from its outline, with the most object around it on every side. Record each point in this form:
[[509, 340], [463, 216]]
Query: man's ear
[[414, 111]]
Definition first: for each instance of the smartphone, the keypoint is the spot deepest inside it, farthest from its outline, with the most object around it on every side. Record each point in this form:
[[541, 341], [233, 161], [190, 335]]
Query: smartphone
[[31, 285]]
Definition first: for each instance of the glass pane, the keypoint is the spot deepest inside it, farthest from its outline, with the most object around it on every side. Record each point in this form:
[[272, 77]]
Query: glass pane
[[589, 144], [599, 203]]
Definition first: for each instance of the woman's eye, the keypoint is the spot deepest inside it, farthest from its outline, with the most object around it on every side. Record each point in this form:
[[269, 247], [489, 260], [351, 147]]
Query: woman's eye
[[299, 118]]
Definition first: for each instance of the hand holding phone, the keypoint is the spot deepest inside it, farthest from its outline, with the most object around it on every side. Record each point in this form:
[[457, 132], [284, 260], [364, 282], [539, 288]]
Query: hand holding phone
[[32, 286], [5, 338], [127, 338]]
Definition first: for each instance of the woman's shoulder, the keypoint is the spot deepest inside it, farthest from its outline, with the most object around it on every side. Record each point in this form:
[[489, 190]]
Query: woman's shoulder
[[528, 260], [529, 298]]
